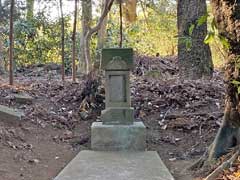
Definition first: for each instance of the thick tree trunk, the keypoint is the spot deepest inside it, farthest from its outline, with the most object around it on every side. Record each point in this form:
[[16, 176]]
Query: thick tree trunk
[[195, 62], [86, 23], [227, 16]]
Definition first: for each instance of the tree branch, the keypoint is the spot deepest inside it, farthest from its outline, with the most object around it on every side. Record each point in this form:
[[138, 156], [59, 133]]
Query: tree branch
[[91, 31]]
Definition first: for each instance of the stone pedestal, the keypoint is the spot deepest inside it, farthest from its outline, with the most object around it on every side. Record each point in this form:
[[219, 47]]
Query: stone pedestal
[[118, 116], [118, 137]]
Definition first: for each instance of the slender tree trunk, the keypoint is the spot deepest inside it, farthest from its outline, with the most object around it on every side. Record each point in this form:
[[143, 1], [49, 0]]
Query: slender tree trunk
[[2, 69], [1, 7], [196, 62], [62, 42], [227, 17], [30, 8], [86, 23], [11, 42], [74, 43], [101, 33], [91, 31], [121, 24]]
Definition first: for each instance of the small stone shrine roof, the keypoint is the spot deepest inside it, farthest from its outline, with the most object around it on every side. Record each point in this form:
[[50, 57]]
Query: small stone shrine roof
[[117, 59]]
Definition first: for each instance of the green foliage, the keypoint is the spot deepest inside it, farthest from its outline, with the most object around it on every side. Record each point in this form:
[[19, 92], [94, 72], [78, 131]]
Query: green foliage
[[214, 34], [191, 28], [187, 39], [202, 20], [37, 41], [153, 32], [224, 41], [236, 84], [209, 38]]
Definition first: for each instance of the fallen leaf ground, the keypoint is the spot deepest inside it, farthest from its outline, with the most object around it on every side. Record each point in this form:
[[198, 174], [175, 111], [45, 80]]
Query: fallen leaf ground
[[182, 117]]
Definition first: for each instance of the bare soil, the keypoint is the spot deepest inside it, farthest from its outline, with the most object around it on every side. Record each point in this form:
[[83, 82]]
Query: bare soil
[[182, 118]]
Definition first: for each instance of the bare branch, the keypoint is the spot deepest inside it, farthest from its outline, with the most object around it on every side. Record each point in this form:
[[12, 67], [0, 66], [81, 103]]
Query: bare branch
[[91, 31]]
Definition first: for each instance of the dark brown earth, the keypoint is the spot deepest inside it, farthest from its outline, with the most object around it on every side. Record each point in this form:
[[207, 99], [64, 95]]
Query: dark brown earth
[[182, 118]]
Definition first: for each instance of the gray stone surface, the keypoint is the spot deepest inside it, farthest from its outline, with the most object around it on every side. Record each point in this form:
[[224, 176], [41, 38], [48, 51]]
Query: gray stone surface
[[117, 59], [23, 98], [91, 165], [118, 137], [10, 115], [117, 89], [114, 116]]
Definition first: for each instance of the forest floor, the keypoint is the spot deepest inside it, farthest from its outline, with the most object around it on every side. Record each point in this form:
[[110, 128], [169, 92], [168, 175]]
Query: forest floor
[[182, 117]]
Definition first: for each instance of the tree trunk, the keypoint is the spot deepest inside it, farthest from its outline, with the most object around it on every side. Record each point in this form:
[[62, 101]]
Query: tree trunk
[[30, 8], [2, 12], [62, 42], [1, 8], [86, 23], [2, 67], [91, 31], [11, 44], [195, 62], [227, 18], [101, 33], [74, 43]]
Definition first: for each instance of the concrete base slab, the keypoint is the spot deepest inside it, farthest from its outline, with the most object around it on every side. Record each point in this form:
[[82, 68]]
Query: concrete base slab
[[92, 165], [118, 137], [10, 115]]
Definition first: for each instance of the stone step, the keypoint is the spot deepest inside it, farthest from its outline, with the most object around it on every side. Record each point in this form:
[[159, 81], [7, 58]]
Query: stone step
[[99, 165], [9, 114]]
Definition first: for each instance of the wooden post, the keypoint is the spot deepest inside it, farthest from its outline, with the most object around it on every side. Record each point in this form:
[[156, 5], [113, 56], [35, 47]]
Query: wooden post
[[11, 44]]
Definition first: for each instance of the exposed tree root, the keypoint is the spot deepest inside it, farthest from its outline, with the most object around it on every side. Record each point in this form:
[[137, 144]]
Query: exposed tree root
[[222, 167], [226, 140], [200, 162], [204, 165]]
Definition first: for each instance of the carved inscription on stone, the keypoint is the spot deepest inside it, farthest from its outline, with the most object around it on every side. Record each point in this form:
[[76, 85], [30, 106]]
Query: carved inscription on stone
[[117, 85]]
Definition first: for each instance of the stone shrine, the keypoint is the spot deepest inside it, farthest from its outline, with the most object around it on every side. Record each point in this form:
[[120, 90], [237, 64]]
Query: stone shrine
[[117, 131], [117, 64]]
